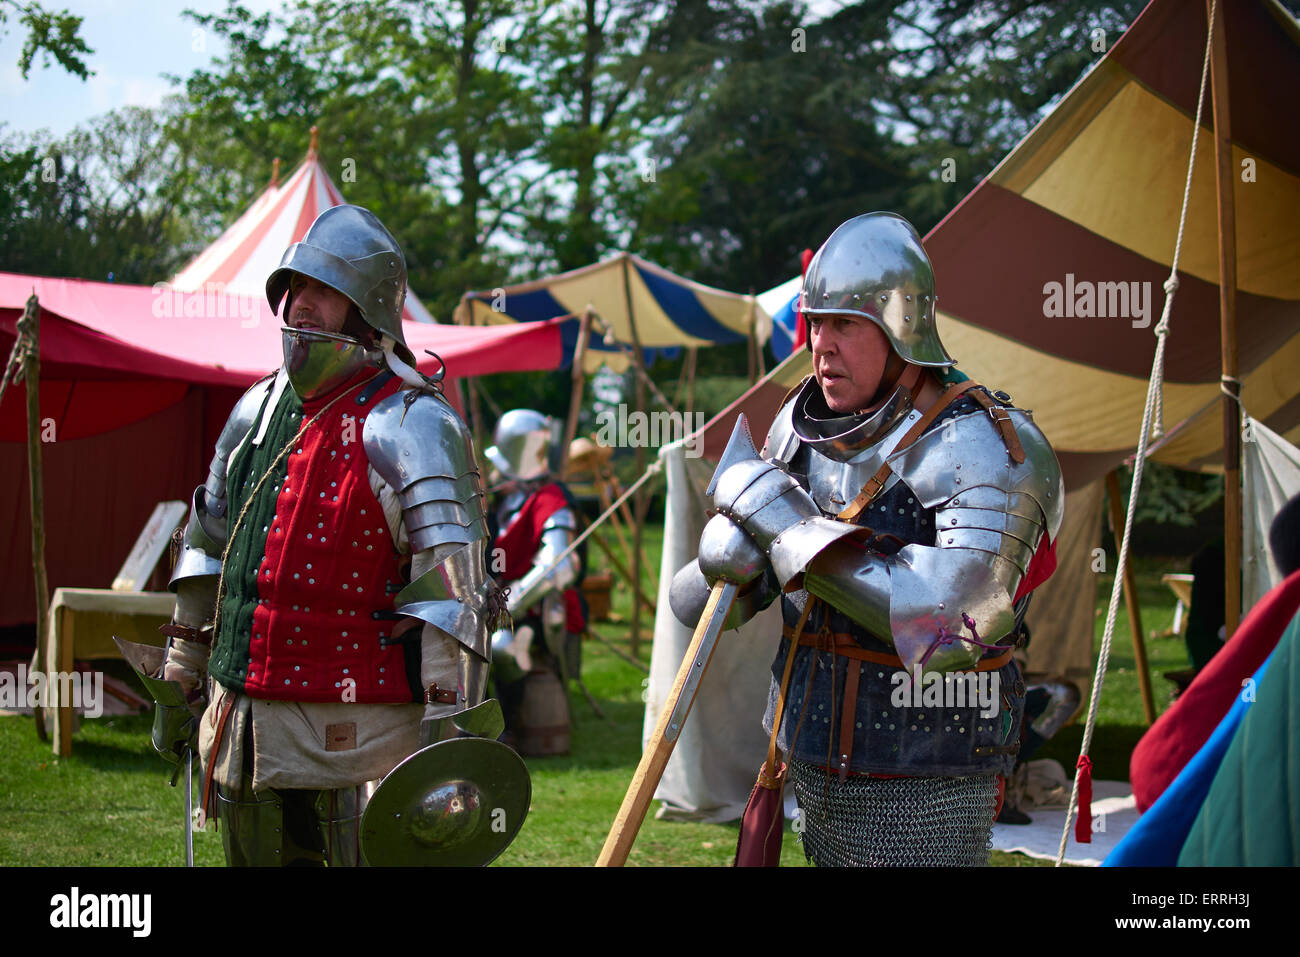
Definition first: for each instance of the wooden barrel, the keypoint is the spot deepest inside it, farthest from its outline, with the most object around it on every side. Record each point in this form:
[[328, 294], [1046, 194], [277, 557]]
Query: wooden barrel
[[544, 716]]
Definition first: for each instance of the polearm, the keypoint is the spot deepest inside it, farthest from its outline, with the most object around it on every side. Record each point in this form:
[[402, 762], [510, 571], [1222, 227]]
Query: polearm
[[671, 720], [695, 663]]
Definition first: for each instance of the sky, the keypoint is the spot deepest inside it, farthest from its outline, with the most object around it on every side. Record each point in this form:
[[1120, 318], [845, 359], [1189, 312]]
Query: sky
[[135, 42]]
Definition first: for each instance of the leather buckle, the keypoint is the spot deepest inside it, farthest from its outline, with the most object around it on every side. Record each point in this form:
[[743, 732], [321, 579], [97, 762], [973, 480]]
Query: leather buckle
[[435, 695]]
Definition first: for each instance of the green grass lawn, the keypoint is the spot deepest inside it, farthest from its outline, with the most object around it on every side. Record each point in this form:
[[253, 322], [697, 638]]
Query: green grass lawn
[[109, 803]]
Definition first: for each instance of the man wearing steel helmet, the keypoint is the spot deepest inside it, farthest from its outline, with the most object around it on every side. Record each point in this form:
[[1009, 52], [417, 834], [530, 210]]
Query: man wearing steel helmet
[[536, 522], [906, 513], [313, 586]]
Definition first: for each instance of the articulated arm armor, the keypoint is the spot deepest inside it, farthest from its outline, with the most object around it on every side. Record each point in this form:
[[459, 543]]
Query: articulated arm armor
[[198, 569], [558, 533], [420, 447], [990, 515]]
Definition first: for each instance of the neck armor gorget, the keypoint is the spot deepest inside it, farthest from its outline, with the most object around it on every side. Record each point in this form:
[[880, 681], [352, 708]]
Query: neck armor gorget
[[842, 437], [319, 362]]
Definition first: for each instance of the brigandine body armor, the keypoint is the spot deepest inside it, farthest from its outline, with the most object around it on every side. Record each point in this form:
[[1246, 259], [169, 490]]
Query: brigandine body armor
[[960, 530], [325, 539]]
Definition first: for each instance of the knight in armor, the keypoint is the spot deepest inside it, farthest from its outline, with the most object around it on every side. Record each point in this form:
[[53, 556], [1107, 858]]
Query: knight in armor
[[331, 594], [903, 514], [536, 522]]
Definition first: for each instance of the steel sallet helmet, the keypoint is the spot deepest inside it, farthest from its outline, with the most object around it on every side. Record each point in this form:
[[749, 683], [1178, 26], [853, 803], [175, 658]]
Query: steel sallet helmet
[[348, 249], [874, 266], [522, 448]]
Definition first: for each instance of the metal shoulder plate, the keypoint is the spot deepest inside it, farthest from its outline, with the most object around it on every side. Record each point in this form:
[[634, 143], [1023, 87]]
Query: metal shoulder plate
[[205, 532], [967, 453], [782, 444], [990, 515], [422, 449], [242, 419]]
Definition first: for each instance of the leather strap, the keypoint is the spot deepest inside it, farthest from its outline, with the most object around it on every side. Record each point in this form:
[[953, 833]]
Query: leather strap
[[435, 695], [848, 716], [874, 484], [769, 776], [1006, 428], [226, 707], [847, 646], [202, 636]]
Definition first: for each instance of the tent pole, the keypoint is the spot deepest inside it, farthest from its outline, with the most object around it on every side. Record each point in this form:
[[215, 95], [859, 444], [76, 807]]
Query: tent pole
[[575, 395], [1224, 183], [690, 380], [1131, 598], [29, 328], [641, 502]]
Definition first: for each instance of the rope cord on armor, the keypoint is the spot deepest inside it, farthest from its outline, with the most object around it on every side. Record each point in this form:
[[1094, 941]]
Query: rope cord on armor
[[1152, 412], [946, 637], [248, 502]]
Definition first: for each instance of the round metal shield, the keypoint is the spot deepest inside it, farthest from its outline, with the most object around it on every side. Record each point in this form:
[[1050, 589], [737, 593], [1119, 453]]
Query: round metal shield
[[457, 803]]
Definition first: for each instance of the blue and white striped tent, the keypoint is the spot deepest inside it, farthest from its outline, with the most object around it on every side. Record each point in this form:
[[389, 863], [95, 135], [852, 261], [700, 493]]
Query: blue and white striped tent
[[667, 310]]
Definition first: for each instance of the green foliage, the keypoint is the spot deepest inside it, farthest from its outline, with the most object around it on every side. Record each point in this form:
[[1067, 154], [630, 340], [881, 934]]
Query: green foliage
[[1172, 496], [53, 33], [100, 203]]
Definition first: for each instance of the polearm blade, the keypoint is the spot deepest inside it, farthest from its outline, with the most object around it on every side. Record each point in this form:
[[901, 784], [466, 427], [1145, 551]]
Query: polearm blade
[[189, 808], [671, 720]]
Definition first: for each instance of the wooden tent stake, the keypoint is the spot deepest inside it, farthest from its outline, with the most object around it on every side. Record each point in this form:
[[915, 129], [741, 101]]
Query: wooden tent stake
[[1116, 506]]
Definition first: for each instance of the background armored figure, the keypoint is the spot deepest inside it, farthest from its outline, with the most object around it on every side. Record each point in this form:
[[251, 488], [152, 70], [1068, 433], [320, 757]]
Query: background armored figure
[[339, 544], [536, 522], [906, 513]]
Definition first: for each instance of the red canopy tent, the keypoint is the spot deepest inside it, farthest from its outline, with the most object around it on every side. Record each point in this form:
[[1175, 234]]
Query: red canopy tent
[[136, 382]]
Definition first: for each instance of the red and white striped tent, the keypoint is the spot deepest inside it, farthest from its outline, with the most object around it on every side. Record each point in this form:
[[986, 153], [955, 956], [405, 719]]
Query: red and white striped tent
[[241, 258]]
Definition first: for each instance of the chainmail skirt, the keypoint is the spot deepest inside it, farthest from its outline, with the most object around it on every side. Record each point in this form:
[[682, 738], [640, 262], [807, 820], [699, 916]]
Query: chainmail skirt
[[894, 822]]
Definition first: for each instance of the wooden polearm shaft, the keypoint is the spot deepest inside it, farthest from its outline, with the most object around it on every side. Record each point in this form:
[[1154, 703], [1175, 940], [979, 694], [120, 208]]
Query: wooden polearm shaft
[[618, 844]]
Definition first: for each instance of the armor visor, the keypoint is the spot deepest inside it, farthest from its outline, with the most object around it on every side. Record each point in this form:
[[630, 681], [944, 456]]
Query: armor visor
[[319, 362]]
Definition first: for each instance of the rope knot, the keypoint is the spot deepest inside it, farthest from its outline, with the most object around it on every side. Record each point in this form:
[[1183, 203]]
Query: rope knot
[[1171, 285]]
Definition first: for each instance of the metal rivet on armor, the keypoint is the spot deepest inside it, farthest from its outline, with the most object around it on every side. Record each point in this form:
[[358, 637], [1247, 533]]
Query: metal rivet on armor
[[381, 680], [913, 727], [322, 538], [956, 717], [856, 297], [900, 511], [907, 318], [859, 724], [336, 684], [927, 727], [962, 730], [309, 536], [338, 647], [884, 298], [957, 480], [954, 521], [947, 727], [940, 604], [345, 670], [286, 680], [304, 684], [311, 581], [908, 297], [345, 587], [295, 575], [826, 295], [950, 541], [297, 628], [309, 565], [297, 667], [381, 670], [880, 674], [922, 716]]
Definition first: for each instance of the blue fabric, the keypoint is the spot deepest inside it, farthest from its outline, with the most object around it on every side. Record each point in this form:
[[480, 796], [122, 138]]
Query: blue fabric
[[1159, 835], [536, 306], [685, 310], [785, 324]]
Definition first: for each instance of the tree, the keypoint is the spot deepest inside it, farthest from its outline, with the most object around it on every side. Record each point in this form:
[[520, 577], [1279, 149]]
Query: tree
[[97, 204], [55, 33]]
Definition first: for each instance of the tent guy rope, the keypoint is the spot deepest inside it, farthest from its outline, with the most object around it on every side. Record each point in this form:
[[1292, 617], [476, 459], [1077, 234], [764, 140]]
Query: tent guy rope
[[1152, 414]]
